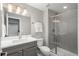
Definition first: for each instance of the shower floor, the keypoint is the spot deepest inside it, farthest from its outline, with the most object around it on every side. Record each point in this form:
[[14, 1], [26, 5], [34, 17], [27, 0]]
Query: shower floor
[[62, 52]]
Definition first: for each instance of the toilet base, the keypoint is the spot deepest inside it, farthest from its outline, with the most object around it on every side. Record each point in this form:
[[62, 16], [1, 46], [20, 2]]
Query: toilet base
[[51, 54], [39, 53]]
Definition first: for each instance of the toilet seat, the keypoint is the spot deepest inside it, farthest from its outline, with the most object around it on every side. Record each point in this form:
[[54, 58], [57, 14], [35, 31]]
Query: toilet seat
[[45, 50]]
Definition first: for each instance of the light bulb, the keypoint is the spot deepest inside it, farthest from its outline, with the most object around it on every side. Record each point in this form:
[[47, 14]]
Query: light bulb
[[18, 10], [24, 12], [10, 7]]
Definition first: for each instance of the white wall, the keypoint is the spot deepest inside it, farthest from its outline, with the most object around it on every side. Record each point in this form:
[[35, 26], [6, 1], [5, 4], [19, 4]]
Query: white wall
[[36, 16], [78, 29], [0, 25], [45, 21]]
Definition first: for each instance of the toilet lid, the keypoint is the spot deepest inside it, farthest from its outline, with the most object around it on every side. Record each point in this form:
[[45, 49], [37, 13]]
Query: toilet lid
[[44, 49]]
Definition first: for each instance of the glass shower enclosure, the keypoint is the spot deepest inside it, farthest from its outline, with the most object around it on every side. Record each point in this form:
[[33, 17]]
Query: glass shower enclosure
[[63, 40]]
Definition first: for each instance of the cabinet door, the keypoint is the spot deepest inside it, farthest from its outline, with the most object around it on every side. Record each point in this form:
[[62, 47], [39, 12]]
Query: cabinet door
[[19, 53], [30, 51]]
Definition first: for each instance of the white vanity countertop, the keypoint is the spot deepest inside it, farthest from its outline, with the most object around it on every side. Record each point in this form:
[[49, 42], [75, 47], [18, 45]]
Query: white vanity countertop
[[9, 43]]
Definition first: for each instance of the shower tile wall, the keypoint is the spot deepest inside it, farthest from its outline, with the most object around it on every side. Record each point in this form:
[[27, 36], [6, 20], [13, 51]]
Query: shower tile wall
[[69, 34]]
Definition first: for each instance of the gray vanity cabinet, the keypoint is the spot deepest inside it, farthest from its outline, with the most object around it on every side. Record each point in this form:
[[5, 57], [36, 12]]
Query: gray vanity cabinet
[[17, 53], [25, 49], [30, 51]]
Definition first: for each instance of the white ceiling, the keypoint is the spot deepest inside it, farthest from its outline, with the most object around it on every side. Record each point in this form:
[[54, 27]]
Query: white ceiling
[[58, 7], [40, 6]]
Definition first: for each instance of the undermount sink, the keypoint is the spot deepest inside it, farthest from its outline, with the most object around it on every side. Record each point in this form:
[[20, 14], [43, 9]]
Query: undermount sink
[[29, 39], [20, 40]]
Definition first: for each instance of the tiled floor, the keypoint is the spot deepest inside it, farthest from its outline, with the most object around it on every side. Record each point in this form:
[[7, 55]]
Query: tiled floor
[[62, 52]]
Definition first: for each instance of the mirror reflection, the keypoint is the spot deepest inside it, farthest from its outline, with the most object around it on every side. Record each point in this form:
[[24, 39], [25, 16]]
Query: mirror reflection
[[13, 27]]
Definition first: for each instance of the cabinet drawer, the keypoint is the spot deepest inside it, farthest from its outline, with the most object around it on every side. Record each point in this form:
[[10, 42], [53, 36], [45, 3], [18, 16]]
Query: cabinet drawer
[[18, 53], [30, 51]]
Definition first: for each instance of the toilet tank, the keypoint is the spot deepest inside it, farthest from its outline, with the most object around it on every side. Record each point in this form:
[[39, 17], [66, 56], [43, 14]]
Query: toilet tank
[[40, 42]]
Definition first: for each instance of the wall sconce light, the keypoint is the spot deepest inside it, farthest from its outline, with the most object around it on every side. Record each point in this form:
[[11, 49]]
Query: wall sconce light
[[24, 12], [18, 10], [10, 7]]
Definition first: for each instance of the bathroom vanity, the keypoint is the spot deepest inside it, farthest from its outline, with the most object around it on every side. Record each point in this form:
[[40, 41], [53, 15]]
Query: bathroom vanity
[[23, 47]]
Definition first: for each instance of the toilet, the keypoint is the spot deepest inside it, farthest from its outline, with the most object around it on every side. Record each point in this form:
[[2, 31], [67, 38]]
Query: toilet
[[43, 49]]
